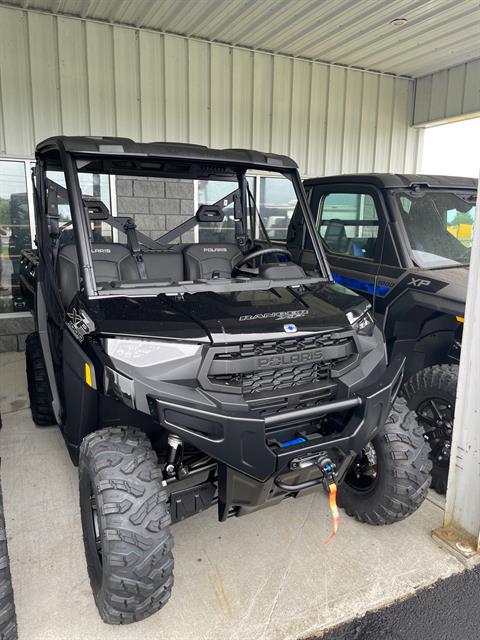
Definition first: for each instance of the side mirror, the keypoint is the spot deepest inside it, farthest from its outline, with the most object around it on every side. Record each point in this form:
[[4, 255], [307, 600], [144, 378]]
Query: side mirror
[[95, 208], [209, 213]]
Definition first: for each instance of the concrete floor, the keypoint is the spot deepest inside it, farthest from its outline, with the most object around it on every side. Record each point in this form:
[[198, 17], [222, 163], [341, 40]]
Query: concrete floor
[[264, 577]]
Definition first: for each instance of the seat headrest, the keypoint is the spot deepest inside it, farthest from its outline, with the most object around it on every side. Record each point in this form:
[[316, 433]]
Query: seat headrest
[[205, 259]]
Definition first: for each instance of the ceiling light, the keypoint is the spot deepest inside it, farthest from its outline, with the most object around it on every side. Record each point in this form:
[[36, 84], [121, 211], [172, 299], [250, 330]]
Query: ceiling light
[[398, 22]]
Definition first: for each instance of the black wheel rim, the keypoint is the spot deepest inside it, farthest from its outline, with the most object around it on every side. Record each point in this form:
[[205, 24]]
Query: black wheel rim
[[436, 416], [364, 471]]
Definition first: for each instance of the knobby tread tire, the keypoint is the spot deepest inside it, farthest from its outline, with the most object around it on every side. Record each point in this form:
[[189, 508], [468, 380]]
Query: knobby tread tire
[[135, 577], [403, 474], [38, 385], [439, 381], [8, 620]]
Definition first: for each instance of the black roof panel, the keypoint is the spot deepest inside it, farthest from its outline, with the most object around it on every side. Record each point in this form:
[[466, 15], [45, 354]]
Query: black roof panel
[[92, 145], [397, 180]]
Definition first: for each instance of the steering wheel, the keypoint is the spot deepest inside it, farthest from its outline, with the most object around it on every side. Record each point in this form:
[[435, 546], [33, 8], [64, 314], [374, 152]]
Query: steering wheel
[[257, 253]]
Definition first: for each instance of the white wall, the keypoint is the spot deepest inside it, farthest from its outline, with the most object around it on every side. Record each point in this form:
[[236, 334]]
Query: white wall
[[450, 93], [71, 76]]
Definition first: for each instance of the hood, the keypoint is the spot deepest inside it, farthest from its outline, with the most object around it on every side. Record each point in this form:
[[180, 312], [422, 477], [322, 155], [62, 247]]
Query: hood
[[450, 283], [221, 318]]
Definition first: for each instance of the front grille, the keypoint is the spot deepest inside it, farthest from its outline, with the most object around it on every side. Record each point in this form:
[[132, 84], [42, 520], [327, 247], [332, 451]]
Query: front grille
[[327, 351], [285, 378], [288, 345]]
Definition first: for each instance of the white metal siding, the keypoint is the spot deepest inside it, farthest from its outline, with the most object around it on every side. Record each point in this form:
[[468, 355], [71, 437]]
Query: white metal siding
[[65, 75], [451, 93], [355, 33]]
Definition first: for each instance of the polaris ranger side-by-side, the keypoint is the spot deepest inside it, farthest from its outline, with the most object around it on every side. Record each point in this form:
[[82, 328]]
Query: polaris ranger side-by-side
[[404, 242], [185, 373]]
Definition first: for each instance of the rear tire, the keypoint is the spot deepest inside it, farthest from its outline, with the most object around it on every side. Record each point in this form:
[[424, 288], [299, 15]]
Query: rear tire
[[38, 385], [431, 393], [389, 480], [125, 520], [8, 620]]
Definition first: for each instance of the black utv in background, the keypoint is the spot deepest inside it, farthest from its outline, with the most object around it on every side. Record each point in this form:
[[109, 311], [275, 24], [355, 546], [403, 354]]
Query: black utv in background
[[185, 373], [404, 242]]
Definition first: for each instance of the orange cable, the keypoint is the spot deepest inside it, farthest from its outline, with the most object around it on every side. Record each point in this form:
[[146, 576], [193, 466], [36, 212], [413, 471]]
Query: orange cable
[[332, 491]]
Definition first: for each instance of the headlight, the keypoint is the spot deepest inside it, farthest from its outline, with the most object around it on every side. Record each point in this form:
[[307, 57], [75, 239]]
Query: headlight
[[145, 361], [145, 353], [362, 322]]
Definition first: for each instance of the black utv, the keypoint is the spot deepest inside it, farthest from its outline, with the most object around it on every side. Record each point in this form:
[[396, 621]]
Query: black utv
[[186, 373], [404, 242]]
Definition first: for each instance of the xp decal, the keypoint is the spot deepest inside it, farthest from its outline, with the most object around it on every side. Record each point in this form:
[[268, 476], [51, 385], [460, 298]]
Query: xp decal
[[79, 324], [419, 282]]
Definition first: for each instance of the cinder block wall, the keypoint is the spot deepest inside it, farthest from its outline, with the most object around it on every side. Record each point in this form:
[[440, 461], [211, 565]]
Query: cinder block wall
[[13, 332], [156, 204]]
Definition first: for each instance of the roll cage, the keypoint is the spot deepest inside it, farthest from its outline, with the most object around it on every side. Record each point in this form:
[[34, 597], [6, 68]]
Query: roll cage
[[120, 156]]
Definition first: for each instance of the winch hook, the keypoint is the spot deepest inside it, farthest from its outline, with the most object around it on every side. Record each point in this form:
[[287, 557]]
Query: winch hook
[[328, 469]]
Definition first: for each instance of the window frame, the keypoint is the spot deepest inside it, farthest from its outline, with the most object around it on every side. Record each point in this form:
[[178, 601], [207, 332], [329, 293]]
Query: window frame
[[319, 194], [27, 166], [408, 258], [256, 191]]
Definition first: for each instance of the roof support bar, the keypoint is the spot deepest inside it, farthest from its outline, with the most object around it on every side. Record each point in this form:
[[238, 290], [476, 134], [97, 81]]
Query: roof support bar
[[80, 224]]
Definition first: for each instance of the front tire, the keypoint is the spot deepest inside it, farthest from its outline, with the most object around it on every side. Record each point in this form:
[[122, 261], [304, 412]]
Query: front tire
[[125, 520], [389, 479], [431, 393], [38, 385]]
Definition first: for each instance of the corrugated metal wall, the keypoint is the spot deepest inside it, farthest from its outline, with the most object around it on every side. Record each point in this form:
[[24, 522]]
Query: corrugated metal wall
[[65, 75], [446, 94]]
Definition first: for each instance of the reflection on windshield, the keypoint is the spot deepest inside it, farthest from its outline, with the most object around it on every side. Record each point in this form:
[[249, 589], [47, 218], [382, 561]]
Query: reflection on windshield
[[185, 234], [439, 226]]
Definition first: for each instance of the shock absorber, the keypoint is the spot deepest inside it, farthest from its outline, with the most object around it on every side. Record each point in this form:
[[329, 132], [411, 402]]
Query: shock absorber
[[174, 445]]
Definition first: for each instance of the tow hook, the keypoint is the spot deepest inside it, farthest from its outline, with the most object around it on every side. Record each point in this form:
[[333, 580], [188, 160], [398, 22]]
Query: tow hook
[[174, 466], [328, 469], [329, 472]]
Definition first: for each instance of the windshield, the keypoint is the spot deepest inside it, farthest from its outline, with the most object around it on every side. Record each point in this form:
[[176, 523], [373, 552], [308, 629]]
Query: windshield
[[439, 226], [172, 234]]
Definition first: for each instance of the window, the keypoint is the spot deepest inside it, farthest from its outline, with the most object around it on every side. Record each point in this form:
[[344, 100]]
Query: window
[[348, 224], [439, 226], [211, 192], [15, 232], [91, 184], [277, 202], [17, 228]]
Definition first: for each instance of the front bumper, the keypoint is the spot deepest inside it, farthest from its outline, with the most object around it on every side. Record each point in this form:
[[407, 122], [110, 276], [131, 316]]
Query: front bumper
[[255, 446]]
